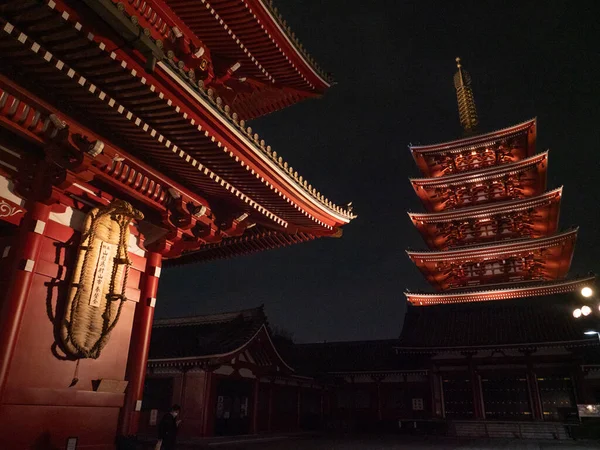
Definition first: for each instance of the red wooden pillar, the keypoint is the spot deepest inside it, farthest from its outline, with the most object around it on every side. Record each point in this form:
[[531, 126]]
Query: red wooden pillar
[[137, 361], [209, 408], [24, 254], [379, 411], [255, 406], [534, 391], [322, 407], [299, 406], [270, 417], [478, 406]]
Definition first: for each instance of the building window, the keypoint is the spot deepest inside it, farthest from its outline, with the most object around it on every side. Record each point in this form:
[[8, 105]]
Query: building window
[[417, 404]]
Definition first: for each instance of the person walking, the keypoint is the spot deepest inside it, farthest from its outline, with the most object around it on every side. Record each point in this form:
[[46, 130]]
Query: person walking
[[167, 429]]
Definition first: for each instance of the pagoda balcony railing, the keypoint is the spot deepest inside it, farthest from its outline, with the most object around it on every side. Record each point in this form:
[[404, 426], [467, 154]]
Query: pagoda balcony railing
[[480, 158], [462, 233], [531, 267]]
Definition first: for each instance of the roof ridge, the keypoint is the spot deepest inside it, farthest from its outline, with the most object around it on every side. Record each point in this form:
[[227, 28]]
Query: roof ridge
[[211, 318], [327, 343], [272, 10]]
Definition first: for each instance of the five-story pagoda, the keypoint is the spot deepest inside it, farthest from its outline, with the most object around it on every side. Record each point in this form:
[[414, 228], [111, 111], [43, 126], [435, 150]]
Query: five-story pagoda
[[499, 338]]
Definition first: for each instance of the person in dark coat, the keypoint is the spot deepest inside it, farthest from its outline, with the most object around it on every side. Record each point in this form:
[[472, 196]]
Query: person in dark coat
[[167, 428]]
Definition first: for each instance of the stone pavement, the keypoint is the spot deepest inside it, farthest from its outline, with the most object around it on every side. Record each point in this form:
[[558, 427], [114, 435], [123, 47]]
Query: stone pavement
[[394, 443]]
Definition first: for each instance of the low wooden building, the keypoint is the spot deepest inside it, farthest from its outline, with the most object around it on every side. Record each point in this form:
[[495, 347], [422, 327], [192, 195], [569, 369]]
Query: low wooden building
[[229, 378]]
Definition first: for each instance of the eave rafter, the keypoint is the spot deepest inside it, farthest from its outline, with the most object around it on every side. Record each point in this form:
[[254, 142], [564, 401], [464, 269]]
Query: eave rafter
[[483, 251], [490, 149], [221, 111], [481, 140], [82, 157], [260, 34], [520, 179], [487, 210], [529, 217], [507, 293], [481, 175], [513, 261]]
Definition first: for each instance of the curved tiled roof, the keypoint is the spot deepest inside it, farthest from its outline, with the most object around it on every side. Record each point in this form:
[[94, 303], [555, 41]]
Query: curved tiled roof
[[499, 292], [543, 320], [486, 210], [482, 174], [515, 245], [204, 336], [473, 142], [297, 183]]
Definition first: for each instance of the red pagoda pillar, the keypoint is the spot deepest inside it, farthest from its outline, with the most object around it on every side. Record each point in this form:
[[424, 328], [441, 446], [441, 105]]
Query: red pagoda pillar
[[24, 253], [534, 392], [137, 361], [478, 407]]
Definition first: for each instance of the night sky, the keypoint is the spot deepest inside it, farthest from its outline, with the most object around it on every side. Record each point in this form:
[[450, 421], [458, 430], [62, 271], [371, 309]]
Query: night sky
[[394, 61]]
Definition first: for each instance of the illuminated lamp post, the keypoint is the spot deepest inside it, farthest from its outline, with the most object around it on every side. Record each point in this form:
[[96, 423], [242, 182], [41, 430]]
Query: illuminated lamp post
[[586, 310]]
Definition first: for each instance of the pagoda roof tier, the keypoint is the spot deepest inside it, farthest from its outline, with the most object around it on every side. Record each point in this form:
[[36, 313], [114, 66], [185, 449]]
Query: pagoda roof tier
[[520, 179], [499, 292], [532, 217], [498, 147], [184, 132], [251, 52], [528, 321], [546, 258]]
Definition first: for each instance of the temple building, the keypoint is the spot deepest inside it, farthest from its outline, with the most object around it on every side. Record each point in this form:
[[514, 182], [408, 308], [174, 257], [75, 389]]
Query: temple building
[[231, 376], [501, 346], [125, 148]]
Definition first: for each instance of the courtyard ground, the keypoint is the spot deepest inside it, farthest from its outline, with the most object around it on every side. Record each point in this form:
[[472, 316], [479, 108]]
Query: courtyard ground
[[391, 443]]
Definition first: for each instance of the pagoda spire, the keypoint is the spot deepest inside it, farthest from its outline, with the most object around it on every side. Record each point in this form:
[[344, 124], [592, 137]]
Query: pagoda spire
[[466, 102]]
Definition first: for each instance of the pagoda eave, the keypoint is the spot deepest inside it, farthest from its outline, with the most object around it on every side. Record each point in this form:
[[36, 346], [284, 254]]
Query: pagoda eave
[[522, 290], [502, 147], [518, 260], [525, 178], [529, 217], [477, 140]]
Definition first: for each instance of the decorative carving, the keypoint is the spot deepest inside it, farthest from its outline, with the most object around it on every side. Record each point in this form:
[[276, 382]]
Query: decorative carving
[[8, 210]]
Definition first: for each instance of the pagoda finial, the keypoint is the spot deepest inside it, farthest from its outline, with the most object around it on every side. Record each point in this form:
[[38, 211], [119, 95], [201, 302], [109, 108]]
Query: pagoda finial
[[466, 101]]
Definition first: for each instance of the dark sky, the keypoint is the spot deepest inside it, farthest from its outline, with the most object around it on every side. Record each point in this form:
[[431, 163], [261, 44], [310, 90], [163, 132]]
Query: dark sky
[[394, 61]]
